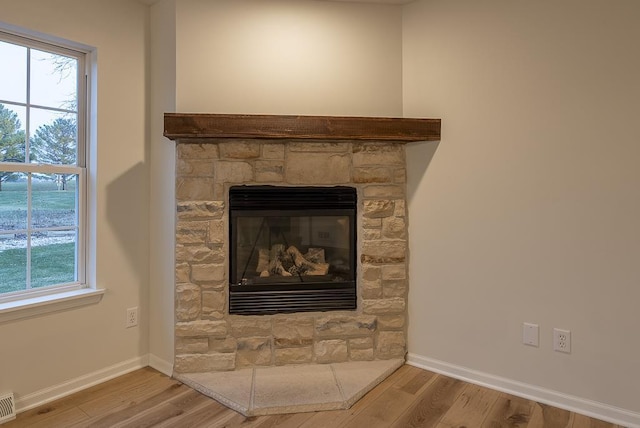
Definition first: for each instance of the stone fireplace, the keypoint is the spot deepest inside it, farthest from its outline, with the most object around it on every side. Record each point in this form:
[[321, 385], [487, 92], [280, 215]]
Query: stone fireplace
[[216, 153]]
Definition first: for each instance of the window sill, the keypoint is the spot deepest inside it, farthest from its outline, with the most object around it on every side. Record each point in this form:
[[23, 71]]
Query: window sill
[[35, 306]]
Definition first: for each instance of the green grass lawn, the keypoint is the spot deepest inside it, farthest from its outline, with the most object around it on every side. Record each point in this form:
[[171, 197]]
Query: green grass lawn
[[44, 195], [51, 207], [50, 264]]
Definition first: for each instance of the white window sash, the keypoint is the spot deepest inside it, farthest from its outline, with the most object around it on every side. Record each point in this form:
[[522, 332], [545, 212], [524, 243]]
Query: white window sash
[[40, 168], [53, 294]]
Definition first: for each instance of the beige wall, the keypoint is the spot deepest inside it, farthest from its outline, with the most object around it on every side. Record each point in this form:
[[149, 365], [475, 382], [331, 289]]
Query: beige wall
[[162, 184], [288, 57], [48, 350], [529, 208]]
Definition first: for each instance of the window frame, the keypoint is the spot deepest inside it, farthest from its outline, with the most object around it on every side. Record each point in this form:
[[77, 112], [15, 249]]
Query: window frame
[[34, 301]]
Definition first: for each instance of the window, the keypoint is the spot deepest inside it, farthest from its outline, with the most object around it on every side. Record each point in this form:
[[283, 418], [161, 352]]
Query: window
[[42, 168]]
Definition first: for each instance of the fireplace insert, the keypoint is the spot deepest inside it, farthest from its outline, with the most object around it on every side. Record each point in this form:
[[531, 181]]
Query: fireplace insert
[[292, 249]]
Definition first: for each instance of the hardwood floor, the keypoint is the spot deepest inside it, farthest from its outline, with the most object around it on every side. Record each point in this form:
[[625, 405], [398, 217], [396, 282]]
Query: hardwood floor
[[410, 397]]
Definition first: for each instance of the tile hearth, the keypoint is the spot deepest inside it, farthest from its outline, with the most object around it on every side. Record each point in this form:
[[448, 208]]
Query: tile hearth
[[293, 388]]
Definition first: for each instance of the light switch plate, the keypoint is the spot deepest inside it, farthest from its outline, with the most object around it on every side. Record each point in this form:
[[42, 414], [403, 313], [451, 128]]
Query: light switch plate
[[530, 334]]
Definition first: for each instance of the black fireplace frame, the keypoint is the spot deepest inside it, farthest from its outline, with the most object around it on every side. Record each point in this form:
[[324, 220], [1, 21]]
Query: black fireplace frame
[[291, 297]]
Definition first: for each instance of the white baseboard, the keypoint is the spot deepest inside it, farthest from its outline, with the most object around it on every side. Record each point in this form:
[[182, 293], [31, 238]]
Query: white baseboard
[[55, 392], [547, 396], [161, 365]]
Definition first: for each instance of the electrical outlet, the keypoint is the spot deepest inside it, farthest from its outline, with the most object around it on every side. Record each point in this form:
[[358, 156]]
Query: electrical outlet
[[132, 317], [561, 340], [530, 334]]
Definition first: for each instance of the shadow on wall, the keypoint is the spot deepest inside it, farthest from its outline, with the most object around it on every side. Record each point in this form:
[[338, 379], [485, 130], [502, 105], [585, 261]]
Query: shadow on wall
[[128, 216], [419, 156]]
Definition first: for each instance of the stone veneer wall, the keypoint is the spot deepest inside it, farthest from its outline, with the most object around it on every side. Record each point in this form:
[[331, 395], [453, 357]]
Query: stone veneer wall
[[207, 337]]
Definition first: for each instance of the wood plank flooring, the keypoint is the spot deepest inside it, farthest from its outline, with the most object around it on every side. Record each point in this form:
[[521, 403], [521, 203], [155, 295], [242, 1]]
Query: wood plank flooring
[[410, 397]]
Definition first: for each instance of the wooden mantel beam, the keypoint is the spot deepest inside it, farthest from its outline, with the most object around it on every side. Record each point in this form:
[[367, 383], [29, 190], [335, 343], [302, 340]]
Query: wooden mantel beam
[[178, 126]]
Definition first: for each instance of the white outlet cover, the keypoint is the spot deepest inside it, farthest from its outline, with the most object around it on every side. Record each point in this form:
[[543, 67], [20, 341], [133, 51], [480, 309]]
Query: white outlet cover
[[562, 340], [132, 317], [530, 334]]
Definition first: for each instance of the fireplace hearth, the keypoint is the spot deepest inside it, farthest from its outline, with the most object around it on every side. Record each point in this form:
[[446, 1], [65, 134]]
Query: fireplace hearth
[[292, 249]]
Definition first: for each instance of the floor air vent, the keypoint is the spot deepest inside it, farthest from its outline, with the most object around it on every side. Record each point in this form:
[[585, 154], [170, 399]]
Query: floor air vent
[[7, 408]]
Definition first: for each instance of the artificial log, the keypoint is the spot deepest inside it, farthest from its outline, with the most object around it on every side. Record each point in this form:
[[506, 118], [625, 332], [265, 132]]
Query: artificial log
[[305, 266], [289, 262]]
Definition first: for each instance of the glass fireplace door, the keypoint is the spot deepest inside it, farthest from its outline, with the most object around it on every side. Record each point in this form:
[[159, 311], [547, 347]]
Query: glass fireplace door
[[296, 248], [292, 249]]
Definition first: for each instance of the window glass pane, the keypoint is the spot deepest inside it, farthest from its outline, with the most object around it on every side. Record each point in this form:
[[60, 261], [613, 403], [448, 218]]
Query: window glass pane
[[13, 201], [39, 118], [53, 200], [53, 258], [53, 137], [54, 80], [12, 133], [13, 72], [13, 262]]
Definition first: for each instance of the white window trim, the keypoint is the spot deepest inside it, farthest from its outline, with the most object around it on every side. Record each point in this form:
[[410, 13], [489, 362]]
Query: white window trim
[[43, 301], [49, 303]]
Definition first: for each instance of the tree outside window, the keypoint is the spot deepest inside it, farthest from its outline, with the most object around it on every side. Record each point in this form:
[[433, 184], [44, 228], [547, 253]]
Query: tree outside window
[[12, 141]]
